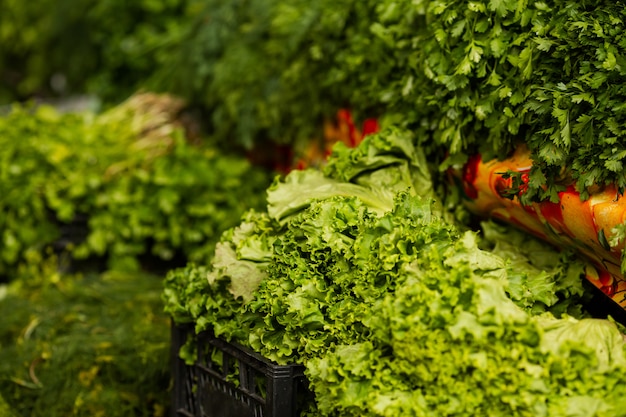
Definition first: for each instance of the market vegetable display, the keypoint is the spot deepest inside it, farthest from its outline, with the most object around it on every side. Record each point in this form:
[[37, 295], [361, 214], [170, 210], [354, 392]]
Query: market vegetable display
[[370, 270], [132, 183], [471, 76], [359, 271]]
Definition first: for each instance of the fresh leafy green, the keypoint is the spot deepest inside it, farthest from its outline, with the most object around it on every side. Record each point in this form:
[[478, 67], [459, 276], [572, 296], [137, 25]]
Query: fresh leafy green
[[335, 259], [452, 344], [300, 188], [537, 275], [385, 163], [122, 185], [334, 270], [402, 312], [469, 76], [84, 345]]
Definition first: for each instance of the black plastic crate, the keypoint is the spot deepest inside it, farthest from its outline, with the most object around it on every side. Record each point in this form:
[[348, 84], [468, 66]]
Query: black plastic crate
[[229, 380]]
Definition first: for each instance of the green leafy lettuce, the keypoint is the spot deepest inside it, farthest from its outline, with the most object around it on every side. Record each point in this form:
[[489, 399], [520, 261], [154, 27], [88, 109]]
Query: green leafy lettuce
[[400, 311], [449, 342]]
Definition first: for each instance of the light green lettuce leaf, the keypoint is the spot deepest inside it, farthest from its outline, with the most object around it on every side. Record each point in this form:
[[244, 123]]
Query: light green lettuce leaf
[[300, 188], [539, 277], [601, 338], [388, 160]]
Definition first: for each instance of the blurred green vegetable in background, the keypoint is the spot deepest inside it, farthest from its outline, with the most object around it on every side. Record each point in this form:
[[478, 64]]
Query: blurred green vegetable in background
[[84, 345], [68, 47], [122, 185]]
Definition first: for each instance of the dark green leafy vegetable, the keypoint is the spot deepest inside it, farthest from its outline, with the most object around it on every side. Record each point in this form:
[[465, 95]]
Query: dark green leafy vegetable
[[94, 345], [471, 76], [543, 73]]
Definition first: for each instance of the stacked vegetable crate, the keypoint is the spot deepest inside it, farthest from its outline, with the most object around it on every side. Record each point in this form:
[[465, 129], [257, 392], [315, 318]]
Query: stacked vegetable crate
[[228, 379]]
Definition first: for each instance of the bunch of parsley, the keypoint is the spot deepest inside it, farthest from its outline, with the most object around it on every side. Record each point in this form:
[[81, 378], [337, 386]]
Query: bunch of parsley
[[470, 76], [548, 74]]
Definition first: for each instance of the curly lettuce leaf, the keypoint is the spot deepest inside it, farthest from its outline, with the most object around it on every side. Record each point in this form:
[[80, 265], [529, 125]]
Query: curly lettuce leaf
[[384, 164], [601, 338], [387, 160], [300, 188], [539, 277], [450, 342]]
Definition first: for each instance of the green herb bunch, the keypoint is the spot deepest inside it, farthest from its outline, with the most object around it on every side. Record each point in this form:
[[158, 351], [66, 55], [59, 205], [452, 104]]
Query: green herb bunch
[[130, 177], [548, 74], [83, 345], [470, 76]]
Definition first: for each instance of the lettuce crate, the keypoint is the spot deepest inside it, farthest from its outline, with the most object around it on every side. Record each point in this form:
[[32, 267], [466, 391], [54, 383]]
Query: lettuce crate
[[229, 380]]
